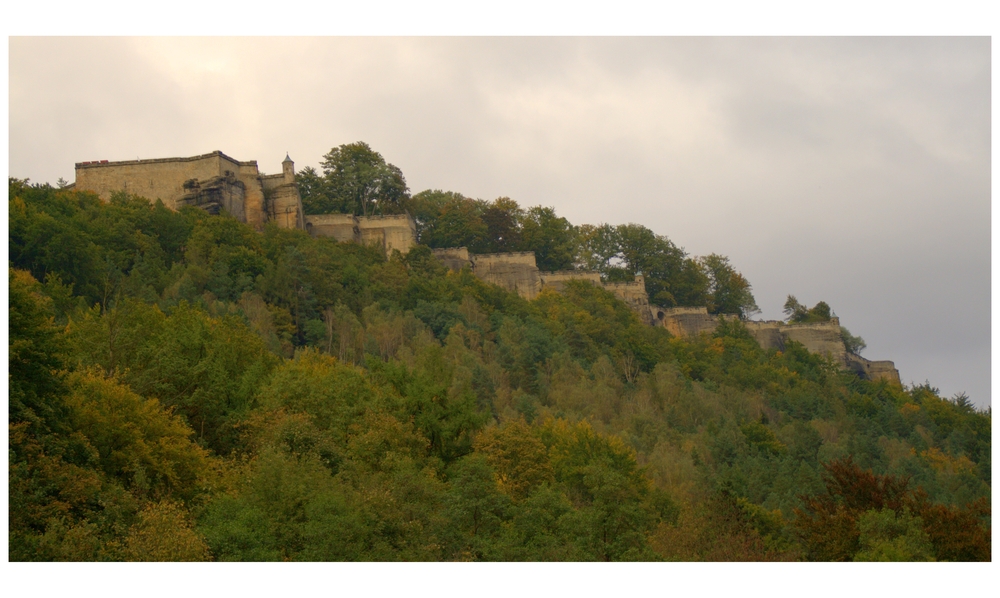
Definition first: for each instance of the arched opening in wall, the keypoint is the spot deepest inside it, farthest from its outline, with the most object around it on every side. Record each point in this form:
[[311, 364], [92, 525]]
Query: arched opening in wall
[[659, 315]]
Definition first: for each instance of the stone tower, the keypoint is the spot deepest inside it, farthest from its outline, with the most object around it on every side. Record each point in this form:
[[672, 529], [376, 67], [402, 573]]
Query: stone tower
[[288, 169]]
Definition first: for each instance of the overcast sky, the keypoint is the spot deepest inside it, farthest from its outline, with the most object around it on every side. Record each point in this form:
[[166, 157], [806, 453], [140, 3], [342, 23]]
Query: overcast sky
[[850, 170]]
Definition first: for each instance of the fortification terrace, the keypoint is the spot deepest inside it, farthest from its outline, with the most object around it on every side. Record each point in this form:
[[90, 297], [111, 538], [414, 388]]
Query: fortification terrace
[[394, 231], [519, 272], [822, 338]]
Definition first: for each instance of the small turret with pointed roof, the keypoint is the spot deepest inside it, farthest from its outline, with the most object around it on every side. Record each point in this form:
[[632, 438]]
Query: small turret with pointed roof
[[288, 168]]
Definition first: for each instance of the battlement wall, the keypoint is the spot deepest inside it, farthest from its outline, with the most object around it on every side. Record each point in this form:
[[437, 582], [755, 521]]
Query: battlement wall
[[342, 227], [634, 295], [684, 321], [206, 181], [161, 179], [453, 258], [513, 271], [384, 219], [557, 280], [526, 258], [821, 338], [285, 207], [393, 232]]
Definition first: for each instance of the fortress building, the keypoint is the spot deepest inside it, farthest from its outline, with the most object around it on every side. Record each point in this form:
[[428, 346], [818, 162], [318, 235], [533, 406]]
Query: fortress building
[[215, 183]]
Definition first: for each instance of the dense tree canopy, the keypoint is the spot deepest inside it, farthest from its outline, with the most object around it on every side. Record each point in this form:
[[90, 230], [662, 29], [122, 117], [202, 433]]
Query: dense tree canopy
[[356, 180], [185, 388]]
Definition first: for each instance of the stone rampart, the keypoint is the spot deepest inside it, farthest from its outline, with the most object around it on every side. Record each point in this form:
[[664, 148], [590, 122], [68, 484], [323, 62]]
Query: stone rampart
[[285, 207], [513, 271], [634, 295], [767, 333], [873, 370], [821, 338], [161, 178], [342, 227], [558, 279], [518, 272], [684, 321], [208, 181], [391, 232], [397, 231], [453, 258]]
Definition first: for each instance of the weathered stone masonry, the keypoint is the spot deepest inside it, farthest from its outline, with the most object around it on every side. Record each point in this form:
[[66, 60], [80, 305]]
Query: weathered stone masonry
[[216, 182], [392, 232], [822, 338], [518, 272]]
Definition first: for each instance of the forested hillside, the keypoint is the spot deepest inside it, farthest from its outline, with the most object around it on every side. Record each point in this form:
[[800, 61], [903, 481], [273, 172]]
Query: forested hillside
[[183, 387]]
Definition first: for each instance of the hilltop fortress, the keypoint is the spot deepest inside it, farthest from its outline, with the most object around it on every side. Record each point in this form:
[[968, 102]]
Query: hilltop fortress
[[215, 182], [518, 272]]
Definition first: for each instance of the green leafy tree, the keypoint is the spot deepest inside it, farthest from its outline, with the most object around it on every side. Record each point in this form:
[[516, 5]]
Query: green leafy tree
[[34, 357], [503, 219], [797, 313], [621, 252], [459, 223], [886, 535], [854, 344], [551, 237], [164, 533], [425, 208], [356, 179], [730, 292], [476, 509]]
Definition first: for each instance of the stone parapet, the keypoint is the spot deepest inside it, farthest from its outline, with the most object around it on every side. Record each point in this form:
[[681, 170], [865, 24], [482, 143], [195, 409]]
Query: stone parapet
[[393, 232], [513, 271], [821, 338], [873, 370], [684, 321], [453, 258], [558, 279]]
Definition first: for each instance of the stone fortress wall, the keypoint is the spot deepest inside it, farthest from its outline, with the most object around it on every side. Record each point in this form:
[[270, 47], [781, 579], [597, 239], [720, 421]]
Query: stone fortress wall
[[216, 182], [392, 232], [513, 271], [822, 338], [518, 272]]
